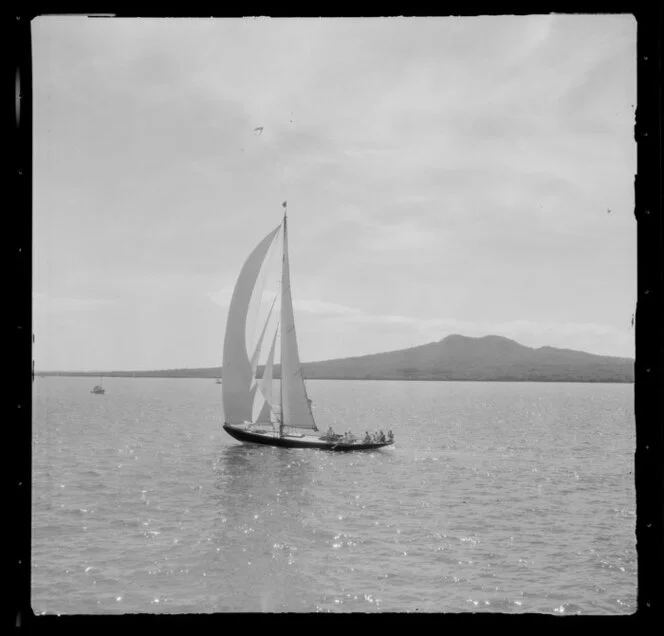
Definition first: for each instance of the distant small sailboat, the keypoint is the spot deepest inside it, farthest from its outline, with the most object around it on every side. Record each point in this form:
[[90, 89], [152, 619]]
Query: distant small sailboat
[[98, 389], [289, 423]]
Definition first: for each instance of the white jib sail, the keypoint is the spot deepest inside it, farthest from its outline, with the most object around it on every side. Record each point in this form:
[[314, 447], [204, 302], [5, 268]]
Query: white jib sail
[[255, 310], [266, 385], [254, 361], [259, 344], [295, 406], [237, 372]]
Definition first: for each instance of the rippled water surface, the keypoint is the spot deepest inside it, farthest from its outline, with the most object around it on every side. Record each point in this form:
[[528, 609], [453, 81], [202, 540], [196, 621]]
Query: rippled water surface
[[503, 497]]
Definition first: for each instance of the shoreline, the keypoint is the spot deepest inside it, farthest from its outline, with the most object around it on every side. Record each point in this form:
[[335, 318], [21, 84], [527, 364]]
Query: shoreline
[[174, 376]]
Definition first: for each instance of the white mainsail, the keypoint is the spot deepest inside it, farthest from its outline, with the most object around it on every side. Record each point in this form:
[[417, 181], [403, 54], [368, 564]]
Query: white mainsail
[[237, 369], [295, 405]]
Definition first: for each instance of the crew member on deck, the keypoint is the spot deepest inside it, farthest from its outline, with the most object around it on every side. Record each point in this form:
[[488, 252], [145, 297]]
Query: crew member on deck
[[390, 436], [367, 438]]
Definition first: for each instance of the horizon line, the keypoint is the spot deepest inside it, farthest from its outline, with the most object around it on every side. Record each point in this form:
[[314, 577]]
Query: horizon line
[[189, 368]]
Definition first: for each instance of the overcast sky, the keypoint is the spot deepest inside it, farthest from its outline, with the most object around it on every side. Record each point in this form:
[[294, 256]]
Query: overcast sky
[[443, 175]]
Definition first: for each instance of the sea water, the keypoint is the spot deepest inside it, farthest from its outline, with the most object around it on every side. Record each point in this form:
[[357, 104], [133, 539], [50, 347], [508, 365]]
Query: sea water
[[498, 497]]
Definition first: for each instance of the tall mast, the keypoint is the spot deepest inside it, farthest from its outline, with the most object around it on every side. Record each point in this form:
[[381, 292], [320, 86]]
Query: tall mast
[[284, 205], [294, 405]]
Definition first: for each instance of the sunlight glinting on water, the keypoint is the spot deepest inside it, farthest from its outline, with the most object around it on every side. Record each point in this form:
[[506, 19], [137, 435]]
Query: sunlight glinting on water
[[497, 497]]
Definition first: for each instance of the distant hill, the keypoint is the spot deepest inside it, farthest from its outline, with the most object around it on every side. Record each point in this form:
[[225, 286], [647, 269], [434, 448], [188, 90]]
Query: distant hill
[[491, 358]]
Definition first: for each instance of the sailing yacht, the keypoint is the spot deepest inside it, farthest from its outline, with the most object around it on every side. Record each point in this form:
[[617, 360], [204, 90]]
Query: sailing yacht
[[285, 420], [98, 389]]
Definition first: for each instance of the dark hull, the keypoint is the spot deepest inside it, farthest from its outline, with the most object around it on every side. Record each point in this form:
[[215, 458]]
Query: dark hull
[[294, 442]]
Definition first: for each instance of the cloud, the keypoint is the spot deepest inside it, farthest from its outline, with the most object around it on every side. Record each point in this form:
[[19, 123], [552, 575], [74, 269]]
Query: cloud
[[435, 167], [521, 328], [312, 307], [325, 308], [544, 333], [405, 235], [439, 327], [43, 303], [221, 297]]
